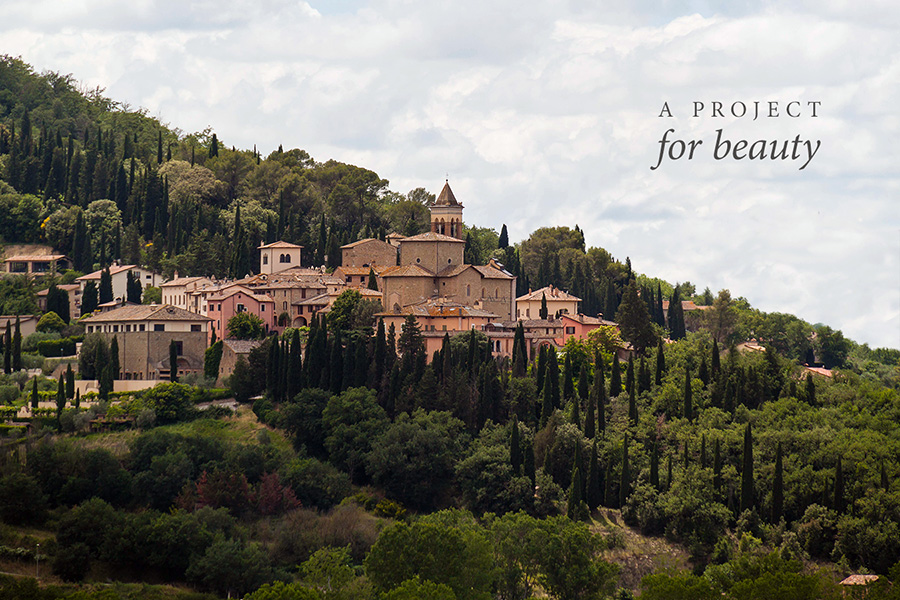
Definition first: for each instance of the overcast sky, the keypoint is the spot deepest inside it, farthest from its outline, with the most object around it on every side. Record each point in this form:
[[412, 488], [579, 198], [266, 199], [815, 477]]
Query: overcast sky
[[547, 113]]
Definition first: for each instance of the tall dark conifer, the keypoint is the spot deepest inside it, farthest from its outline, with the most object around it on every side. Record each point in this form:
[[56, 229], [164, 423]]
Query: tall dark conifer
[[747, 501], [688, 400], [839, 501], [654, 466], [615, 380], [594, 495], [778, 488], [515, 448], [625, 478]]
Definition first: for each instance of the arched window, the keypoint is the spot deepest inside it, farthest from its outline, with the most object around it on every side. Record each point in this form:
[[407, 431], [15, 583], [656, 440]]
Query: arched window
[[287, 258], [468, 290]]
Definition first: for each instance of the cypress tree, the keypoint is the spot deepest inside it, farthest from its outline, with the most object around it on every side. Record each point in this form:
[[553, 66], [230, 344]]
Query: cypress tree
[[515, 448], [272, 371], [839, 504], [778, 488], [629, 376], [576, 413], [583, 386], [568, 386], [173, 361], [77, 399], [70, 382], [553, 376], [810, 390], [295, 366], [543, 311], [688, 403], [361, 363], [380, 354], [615, 380], [7, 349], [547, 401], [643, 377], [541, 367], [714, 359], [114, 357], [669, 474], [17, 347], [625, 481], [213, 147], [747, 471], [336, 368], [660, 362], [599, 396], [574, 502], [528, 462], [703, 373], [503, 242], [106, 382], [632, 408], [60, 402], [159, 154], [717, 466], [593, 480], [654, 466], [590, 419], [34, 393]]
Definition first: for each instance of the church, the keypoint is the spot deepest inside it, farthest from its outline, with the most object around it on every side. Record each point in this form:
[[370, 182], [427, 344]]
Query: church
[[431, 267]]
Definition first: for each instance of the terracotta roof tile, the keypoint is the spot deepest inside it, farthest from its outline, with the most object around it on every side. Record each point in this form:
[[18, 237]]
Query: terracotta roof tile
[[146, 312]]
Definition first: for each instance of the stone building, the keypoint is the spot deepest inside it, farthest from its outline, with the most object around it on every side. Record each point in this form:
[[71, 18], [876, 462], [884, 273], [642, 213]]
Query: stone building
[[278, 256], [432, 266], [559, 303], [144, 332], [368, 252]]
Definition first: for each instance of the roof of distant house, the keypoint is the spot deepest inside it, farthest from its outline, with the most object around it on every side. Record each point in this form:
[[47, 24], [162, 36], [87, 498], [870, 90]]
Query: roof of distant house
[[239, 289], [113, 269], [686, 305], [859, 579], [145, 312], [431, 236], [588, 320], [285, 245], [66, 287], [183, 281], [551, 293], [34, 257], [440, 307], [241, 346], [406, 271], [362, 241]]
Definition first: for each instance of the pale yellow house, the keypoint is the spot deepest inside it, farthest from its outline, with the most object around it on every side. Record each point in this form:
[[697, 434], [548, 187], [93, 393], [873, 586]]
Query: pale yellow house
[[558, 303]]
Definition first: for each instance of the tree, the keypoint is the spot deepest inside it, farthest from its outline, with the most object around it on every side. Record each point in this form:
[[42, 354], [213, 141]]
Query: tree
[[34, 392], [58, 303], [89, 299], [503, 242], [445, 548], [230, 566], [212, 357], [615, 381], [633, 318], [688, 404], [839, 503], [341, 313], [373, 282], [70, 382], [17, 346], [213, 147], [747, 501], [133, 289], [106, 290], [352, 421], [594, 493], [676, 316], [810, 390], [515, 448], [246, 326], [778, 488], [7, 349], [60, 402], [573, 506], [50, 323], [543, 310], [173, 360], [625, 480]]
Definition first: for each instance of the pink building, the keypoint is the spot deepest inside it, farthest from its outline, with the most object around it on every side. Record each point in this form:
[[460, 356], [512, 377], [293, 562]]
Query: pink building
[[237, 299], [579, 326]]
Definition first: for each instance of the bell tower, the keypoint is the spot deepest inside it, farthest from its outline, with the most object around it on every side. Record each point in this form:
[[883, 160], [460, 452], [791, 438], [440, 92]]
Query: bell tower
[[446, 214]]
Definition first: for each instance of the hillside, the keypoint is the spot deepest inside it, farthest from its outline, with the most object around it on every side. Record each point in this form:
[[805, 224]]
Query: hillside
[[702, 448]]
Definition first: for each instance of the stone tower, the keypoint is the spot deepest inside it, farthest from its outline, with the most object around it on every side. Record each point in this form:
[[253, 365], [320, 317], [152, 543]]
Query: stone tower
[[446, 214]]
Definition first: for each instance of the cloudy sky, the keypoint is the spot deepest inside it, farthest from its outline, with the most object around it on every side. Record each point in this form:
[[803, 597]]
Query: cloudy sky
[[548, 113]]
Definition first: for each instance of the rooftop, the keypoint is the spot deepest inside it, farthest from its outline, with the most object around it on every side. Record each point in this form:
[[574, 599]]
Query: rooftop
[[432, 237], [146, 312], [446, 197], [279, 244], [551, 293]]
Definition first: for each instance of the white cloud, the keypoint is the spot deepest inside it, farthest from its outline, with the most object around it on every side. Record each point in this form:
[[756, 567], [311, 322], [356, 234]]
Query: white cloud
[[546, 114]]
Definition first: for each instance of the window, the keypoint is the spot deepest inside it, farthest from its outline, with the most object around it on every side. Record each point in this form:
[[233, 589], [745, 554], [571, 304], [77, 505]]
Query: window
[[195, 327], [115, 329], [284, 306], [527, 313], [262, 308], [142, 326], [468, 290], [148, 277], [570, 331], [265, 259], [179, 349], [159, 327], [240, 308]]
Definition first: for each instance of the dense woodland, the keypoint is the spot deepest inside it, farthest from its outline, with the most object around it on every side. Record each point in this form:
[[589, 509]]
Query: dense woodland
[[360, 468]]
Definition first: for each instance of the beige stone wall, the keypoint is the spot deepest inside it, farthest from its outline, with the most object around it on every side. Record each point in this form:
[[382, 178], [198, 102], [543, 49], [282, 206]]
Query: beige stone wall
[[434, 256], [140, 352], [406, 290], [372, 252]]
